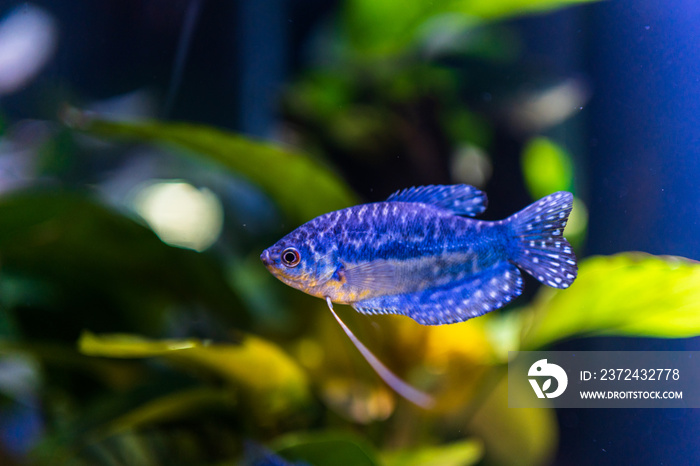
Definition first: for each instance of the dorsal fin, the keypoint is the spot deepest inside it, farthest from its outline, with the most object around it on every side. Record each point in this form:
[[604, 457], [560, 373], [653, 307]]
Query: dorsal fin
[[461, 199]]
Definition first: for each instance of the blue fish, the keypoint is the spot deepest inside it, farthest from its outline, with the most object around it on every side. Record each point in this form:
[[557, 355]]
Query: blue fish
[[421, 255]]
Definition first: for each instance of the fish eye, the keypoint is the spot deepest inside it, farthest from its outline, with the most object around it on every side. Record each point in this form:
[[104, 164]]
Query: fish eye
[[291, 257]]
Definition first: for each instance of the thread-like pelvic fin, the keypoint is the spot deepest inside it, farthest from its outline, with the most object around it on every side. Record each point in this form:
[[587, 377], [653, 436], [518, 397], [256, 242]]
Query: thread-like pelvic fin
[[410, 393]]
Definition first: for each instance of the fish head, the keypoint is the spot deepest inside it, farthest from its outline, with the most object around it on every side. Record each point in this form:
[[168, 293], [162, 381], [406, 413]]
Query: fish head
[[299, 261]]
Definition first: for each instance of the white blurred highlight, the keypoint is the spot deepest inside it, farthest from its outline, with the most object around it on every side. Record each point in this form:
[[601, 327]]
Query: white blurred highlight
[[180, 214], [471, 165], [20, 377], [27, 42], [540, 110]]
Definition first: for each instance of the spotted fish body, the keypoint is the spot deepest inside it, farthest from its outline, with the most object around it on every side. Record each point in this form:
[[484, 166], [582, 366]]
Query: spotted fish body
[[420, 254]]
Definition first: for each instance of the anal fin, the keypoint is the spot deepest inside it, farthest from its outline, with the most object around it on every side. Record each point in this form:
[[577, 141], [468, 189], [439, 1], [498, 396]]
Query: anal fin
[[454, 302]]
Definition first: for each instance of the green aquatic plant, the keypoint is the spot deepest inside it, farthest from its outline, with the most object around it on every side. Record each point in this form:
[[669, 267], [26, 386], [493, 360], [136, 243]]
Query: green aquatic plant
[[303, 392]]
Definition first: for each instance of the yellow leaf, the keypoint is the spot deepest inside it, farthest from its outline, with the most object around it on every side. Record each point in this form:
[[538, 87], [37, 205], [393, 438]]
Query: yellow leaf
[[633, 294], [262, 370], [461, 453]]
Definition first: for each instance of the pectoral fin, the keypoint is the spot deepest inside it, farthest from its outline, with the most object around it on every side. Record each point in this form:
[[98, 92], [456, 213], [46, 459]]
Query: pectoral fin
[[378, 276]]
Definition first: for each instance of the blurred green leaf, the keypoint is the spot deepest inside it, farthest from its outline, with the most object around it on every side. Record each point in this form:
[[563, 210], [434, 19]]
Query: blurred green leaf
[[463, 125], [577, 227], [172, 407], [131, 346], [271, 380], [86, 248], [633, 294], [326, 449], [301, 187], [382, 27], [323, 94], [455, 454], [547, 167], [502, 9], [385, 27]]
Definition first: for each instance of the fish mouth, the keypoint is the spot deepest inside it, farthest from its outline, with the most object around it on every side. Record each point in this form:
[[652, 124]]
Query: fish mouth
[[266, 259]]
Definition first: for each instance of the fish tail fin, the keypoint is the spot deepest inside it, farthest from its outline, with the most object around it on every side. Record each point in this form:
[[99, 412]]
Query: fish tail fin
[[538, 245]]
